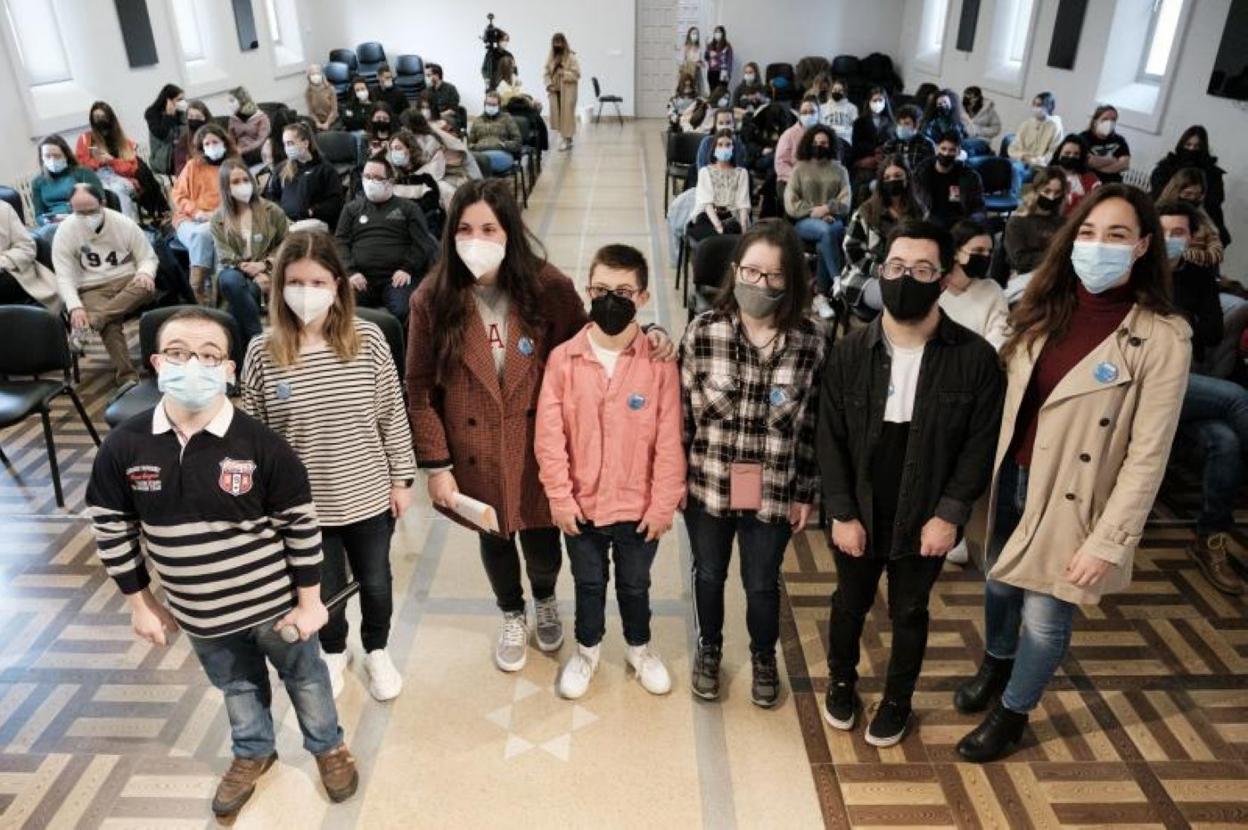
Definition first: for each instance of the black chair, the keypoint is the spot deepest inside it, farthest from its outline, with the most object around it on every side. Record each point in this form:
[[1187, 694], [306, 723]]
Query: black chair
[[393, 331], [14, 198], [144, 395], [370, 56], [682, 155], [342, 150], [1002, 183], [846, 66], [409, 75], [1006, 141], [614, 100], [527, 149], [783, 70], [338, 75], [32, 342], [344, 56], [710, 264]]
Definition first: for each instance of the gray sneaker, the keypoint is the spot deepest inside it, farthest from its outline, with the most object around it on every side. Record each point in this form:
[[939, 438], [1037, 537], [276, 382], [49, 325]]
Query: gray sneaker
[[549, 626], [512, 650]]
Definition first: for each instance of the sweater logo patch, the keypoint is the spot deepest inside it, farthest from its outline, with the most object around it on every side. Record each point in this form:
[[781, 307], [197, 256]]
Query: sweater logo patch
[[236, 476], [144, 478]]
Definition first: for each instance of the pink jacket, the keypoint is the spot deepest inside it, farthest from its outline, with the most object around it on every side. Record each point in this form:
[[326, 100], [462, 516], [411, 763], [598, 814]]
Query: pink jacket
[[612, 448], [786, 151]]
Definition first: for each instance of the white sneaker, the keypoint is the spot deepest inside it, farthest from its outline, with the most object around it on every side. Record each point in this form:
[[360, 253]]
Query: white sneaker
[[337, 665], [512, 650], [384, 680], [549, 626], [650, 669], [959, 555], [78, 339], [578, 671], [823, 307]]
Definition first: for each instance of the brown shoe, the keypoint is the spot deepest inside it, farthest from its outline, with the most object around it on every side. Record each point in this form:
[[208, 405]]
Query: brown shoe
[[1211, 555], [238, 783], [338, 773]]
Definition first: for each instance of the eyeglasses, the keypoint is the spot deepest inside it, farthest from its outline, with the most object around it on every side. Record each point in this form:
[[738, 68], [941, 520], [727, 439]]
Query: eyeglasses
[[623, 292], [895, 269], [753, 276], [180, 356]]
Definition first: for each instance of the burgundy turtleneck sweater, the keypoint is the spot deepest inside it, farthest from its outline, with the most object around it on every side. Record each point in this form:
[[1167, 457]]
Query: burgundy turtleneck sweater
[[1096, 317]]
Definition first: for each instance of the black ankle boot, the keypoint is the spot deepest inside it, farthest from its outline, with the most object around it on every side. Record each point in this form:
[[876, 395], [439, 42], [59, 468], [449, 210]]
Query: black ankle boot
[[975, 694], [994, 737]]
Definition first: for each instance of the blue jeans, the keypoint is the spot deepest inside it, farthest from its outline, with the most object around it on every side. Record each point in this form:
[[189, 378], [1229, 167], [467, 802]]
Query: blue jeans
[[197, 237], [366, 546], [830, 236], [1215, 417], [501, 161], [762, 552], [590, 554], [243, 295], [235, 665], [1030, 627]]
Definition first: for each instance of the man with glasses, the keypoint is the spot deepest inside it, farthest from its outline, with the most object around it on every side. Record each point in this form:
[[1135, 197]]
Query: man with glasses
[[908, 419], [385, 243], [221, 507]]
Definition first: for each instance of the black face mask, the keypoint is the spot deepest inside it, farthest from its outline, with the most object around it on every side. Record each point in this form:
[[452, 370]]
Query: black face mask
[[381, 127], [821, 152], [908, 299], [946, 162], [1048, 203], [1069, 163], [612, 314], [101, 123], [838, 96], [194, 124], [893, 189], [943, 108], [970, 104], [1190, 155], [976, 265]]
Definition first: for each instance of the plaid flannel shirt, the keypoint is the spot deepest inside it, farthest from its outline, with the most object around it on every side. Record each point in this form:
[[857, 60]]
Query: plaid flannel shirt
[[738, 407]]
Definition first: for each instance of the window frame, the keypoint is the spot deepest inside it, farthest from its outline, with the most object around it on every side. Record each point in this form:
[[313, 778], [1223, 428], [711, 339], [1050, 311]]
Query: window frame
[[187, 57], [933, 31], [1142, 75], [275, 22], [19, 55], [1026, 22]]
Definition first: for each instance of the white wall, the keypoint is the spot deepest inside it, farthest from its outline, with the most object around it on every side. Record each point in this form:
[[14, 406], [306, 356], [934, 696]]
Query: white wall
[[449, 33], [1075, 91]]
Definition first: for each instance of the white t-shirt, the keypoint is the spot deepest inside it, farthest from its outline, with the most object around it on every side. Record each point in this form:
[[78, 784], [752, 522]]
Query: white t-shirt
[[902, 383], [605, 356]]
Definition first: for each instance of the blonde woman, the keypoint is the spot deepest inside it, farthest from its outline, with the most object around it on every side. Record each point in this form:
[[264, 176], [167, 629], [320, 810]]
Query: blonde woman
[[305, 185], [248, 124], [326, 382], [562, 75], [320, 98]]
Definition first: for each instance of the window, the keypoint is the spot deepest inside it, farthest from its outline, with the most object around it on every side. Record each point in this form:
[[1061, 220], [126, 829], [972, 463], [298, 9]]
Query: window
[[275, 25], [282, 17], [1020, 31], [933, 35], [1160, 42], [188, 31], [37, 37]]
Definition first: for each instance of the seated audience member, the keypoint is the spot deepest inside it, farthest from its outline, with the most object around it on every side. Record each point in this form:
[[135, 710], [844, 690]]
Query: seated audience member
[[924, 95], [105, 271], [913, 147], [321, 99], [1110, 154], [248, 124], [1037, 138], [164, 124], [197, 115], [1192, 150], [786, 146], [305, 184], [893, 200], [511, 92], [196, 196], [951, 188], [970, 298], [381, 125], [873, 129], [943, 116], [1204, 245], [1030, 229], [751, 93], [979, 115], [816, 199], [722, 200], [106, 149], [357, 111], [1215, 411], [247, 231], [417, 176], [443, 97], [22, 280], [388, 91], [1072, 156], [495, 134], [461, 164], [59, 174], [698, 118], [724, 120], [386, 245], [838, 112]]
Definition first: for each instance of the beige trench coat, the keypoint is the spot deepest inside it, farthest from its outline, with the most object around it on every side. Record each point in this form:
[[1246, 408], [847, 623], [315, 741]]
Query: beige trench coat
[[1101, 450], [561, 82]]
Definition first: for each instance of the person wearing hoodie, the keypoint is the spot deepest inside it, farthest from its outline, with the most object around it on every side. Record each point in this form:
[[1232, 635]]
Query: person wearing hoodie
[[248, 124], [320, 98], [305, 184]]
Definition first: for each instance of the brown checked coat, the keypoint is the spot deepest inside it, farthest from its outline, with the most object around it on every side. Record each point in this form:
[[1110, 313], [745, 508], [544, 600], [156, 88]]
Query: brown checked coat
[[482, 428]]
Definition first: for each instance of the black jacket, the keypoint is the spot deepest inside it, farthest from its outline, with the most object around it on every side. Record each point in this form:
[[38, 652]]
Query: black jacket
[[953, 434], [315, 191], [937, 190], [378, 239], [1196, 296]]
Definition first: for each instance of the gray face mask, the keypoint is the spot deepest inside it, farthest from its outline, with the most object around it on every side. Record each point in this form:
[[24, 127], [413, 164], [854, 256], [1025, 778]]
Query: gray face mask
[[757, 301]]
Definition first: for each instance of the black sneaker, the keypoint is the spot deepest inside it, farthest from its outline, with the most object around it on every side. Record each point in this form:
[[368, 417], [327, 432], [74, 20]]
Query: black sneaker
[[706, 671], [840, 706], [765, 690], [889, 725]]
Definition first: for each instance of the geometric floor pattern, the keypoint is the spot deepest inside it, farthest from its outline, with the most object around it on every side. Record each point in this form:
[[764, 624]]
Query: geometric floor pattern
[[1146, 725]]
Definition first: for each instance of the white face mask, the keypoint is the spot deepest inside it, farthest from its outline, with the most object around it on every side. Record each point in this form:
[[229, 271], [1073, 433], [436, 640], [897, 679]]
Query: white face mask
[[1039, 112], [308, 302], [427, 114], [376, 191], [182, 105], [361, 94], [242, 191], [214, 151], [877, 106], [316, 79], [93, 219], [481, 256], [750, 77], [1106, 128]]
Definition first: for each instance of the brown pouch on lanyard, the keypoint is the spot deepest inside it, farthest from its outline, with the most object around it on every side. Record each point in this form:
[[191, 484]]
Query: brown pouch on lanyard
[[745, 486]]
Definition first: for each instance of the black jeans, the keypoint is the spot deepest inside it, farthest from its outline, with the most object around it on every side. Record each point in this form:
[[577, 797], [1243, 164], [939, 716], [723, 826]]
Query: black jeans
[[542, 560], [589, 554], [366, 546], [910, 581], [701, 228], [762, 553], [11, 291]]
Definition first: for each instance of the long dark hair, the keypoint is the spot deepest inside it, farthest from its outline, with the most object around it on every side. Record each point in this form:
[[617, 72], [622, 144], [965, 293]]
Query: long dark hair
[[212, 128], [1196, 130], [873, 208], [113, 138], [451, 292], [167, 92], [955, 106], [1049, 302], [779, 233]]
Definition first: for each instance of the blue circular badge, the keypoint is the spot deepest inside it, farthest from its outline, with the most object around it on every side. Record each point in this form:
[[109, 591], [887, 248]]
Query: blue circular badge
[[777, 397], [525, 345], [1105, 372], [283, 390], [636, 401]]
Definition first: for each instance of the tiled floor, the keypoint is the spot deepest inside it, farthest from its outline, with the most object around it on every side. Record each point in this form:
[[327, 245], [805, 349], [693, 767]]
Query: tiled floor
[[1147, 725]]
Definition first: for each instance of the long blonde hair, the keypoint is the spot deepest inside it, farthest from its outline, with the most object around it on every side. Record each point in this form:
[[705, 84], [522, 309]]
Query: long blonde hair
[[285, 327]]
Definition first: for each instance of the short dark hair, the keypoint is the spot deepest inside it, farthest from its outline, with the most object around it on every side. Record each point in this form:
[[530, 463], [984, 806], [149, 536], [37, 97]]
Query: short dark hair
[[195, 314], [909, 111], [964, 230], [924, 229], [1174, 207], [952, 136], [433, 69], [1046, 100], [384, 67], [622, 258], [380, 158]]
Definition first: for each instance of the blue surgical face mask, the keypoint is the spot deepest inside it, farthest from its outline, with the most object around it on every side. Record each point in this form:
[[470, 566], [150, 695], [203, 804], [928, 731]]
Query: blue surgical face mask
[[810, 120], [1101, 264], [1175, 247], [192, 384], [55, 166], [723, 154], [293, 151], [491, 109], [904, 133]]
